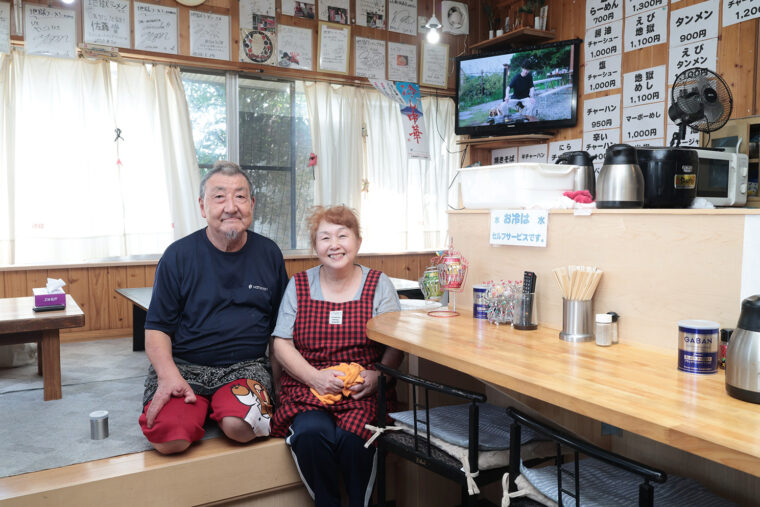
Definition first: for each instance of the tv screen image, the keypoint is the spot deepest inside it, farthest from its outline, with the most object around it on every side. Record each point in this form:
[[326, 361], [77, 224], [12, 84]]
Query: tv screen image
[[526, 90]]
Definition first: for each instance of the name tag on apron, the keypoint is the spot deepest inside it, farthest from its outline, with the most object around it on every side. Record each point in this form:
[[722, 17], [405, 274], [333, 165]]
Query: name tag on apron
[[336, 317]]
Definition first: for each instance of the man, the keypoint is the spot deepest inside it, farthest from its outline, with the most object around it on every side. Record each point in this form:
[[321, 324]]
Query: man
[[522, 90], [214, 305]]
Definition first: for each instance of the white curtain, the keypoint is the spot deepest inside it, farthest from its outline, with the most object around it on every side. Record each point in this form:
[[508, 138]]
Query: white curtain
[[404, 207], [335, 118], [404, 203], [75, 193]]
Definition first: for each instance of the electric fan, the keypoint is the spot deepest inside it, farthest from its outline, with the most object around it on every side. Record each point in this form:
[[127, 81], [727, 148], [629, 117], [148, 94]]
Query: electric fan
[[701, 100]]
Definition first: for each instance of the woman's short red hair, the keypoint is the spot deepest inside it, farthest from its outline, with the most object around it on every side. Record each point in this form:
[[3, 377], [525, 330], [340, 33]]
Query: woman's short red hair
[[340, 215]]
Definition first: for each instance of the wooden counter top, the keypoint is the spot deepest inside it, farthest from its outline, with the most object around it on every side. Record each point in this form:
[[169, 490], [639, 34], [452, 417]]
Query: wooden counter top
[[635, 387]]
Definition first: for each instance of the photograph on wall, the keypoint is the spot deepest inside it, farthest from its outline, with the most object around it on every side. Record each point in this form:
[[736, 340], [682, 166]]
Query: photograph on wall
[[455, 18], [402, 16], [335, 11], [334, 48], [155, 28], [294, 49], [369, 58], [402, 62], [249, 7], [106, 22], [209, 35], [370, 13], [306, 10]]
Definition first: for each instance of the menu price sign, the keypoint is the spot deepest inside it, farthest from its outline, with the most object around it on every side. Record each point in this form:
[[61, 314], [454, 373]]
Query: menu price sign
[[603, 74], [643, 122], [601, 113], [504, 155], [694, 23], [647, 143], [644, 86], [519, 227], [646, 29], [534, 153], [604, 41], [557, 148], [597, 142], [603, 11], [637, 6], [700, 54], [736, 11]]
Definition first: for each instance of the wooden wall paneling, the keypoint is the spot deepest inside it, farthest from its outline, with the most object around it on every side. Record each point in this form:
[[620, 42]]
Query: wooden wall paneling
[[34, 279], [736, 64], [15, 284], [118, 307], [2, 282], [79, 288], [99, 295], [135, 276]]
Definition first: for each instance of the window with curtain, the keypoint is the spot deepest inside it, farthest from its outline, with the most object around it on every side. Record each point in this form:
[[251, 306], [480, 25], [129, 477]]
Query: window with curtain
[[273, 145], [97, 160]]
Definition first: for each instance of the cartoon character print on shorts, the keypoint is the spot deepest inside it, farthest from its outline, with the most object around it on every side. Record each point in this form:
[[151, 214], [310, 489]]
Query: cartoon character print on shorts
[[255, 396]]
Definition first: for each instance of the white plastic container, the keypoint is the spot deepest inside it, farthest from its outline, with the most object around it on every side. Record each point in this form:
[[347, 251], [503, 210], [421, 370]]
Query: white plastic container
[[518, 185]]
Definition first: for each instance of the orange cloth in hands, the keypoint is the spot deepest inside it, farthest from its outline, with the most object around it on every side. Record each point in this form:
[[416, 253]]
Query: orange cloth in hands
[[351, 377]]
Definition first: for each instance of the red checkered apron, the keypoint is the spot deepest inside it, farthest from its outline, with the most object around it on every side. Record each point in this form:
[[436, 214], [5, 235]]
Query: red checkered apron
[[323, 344]]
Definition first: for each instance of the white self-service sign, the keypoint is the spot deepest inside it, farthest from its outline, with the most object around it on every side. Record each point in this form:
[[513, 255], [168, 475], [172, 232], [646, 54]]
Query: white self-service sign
[[601, 113], [557, 148], [646, 29], [694, 23], [644, 86], [603, 11], [504, 155], [643, 122], [638, 6], [602, 74], [596, 143], [700, 54], [519, 227], [604, 41], [736, 11], [532, 153]]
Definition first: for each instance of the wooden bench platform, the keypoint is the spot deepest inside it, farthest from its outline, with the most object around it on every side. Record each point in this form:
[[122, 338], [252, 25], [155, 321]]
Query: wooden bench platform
[[211, 471]]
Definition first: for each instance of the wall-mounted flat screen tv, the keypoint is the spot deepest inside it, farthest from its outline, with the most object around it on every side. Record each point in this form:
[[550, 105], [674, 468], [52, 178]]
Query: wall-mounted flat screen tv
[[518, 91]]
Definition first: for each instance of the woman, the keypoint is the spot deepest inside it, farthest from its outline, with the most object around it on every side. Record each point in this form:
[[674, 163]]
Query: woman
[[322, 323]]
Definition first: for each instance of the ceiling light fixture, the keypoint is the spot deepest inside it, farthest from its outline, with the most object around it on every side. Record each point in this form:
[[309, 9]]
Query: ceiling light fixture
[[432, 26]]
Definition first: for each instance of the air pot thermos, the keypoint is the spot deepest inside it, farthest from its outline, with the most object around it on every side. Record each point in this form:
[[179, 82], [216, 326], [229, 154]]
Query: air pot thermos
[[743, 354], [620, 183], [585, 179]]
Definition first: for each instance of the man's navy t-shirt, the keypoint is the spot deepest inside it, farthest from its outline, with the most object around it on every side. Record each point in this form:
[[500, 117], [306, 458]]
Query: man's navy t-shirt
[[219, 307]]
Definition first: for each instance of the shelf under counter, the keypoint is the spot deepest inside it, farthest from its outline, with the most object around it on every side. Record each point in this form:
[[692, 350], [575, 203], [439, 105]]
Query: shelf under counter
[[504, 141]]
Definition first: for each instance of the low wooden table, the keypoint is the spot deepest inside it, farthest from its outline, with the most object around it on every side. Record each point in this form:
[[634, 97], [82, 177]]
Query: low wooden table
[[20, 324], [140, 298]]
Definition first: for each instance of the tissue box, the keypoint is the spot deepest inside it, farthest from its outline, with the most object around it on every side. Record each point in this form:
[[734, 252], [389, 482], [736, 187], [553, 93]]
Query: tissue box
[[44, 298]]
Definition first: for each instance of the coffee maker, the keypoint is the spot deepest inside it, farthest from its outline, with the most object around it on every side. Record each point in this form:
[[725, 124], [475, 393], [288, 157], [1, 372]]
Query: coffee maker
[[743, 354]]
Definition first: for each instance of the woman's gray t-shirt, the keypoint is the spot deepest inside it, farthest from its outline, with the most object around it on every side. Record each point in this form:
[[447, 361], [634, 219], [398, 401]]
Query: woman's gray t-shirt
[[385, 300]]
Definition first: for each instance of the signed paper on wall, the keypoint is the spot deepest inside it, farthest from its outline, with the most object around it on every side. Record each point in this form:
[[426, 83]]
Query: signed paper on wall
[[209, 35], [435, 65], [106, 22], [402, 62], [369, 58], [333, 48], [294, 49], [370, 13], [49, 31], [402, 16], [455, 18], [155, 28]]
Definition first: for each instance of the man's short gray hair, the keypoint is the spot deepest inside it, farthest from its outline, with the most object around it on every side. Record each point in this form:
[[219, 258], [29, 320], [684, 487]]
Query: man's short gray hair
[[226, 168]]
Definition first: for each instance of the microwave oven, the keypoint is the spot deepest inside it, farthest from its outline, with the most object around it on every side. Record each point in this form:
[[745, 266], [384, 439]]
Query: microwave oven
[[722, 177]]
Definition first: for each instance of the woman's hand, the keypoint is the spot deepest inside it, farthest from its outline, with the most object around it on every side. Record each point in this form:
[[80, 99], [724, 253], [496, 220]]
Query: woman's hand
[[327, 381], [368, 387]]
